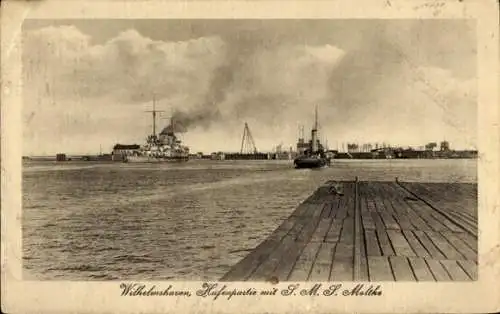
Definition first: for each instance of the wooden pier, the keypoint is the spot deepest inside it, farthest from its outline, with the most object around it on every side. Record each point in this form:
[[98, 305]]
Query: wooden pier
[[372, 231]]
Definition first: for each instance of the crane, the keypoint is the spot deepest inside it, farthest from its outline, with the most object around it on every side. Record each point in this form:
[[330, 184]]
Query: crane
[[247, 142]]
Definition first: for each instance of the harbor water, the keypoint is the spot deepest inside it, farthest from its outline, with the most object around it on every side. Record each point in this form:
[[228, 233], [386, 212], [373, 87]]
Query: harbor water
[[186, 221]]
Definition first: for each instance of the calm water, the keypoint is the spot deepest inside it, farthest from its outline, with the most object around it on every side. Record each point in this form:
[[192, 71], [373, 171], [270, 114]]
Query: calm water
[[84, 221]]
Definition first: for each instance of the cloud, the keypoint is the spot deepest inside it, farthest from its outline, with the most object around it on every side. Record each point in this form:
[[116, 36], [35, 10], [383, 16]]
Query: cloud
[[367, 88], [456, 99], [411, 106], [130, 67]]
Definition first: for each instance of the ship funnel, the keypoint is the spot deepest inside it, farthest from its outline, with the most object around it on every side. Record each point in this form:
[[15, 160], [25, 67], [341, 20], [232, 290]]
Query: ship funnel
[[314, 132]]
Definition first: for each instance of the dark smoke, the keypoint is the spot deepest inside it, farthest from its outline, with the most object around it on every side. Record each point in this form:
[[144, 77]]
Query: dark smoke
[[208, 111], [183, 121]]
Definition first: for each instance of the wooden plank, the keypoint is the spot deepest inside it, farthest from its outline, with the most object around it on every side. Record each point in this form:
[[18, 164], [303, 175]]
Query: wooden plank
[[423, 211], [459, 198], [367, 220], [342, 269], [300, 231], [438, 271], [384, 242], [243, 269], [446, 222], [379, 269], [434, 218], [439, 201], [470, 268], [456, 272], [444, 246], [343, 208], [470, 240], [372, 243], [304, 209], [402, 216], [334, 231], [389, 221], [464, 225], [320, 232], [310, 226], [343, 261], [386, 199], [399, 243], [362, 202], [417, 247], [265, 270], [363, 262], [403, 220], [421, 269], [460, 246], [344, 250], [401, 268], [291, 253], [327, 208], [287, 262], [379, 204], [415, 219], [428, 245], [303, 266], [322, 265], [325, 253], [347, 233], [467, 216]]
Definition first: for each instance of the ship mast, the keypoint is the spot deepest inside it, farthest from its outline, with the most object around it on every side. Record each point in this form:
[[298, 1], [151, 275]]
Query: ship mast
[[316, 118], [154, 111], [172, 120]]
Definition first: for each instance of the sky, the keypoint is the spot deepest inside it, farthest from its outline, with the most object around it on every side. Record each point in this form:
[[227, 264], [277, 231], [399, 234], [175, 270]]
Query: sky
[[87, 84]]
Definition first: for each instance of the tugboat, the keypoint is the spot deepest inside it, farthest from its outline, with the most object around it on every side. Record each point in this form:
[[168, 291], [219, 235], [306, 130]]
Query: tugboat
[[314, 156], [164, 147]]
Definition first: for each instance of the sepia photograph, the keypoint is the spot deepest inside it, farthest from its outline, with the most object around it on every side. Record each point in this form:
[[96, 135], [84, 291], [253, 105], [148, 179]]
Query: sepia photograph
[[250, 150], [249, 157]]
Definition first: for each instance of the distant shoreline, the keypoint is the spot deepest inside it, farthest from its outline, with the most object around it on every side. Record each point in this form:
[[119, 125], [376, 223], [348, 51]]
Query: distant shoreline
[[96, 160]]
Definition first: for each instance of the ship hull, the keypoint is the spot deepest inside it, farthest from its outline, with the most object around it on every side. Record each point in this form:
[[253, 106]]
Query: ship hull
[[148, 159], [305, 162]]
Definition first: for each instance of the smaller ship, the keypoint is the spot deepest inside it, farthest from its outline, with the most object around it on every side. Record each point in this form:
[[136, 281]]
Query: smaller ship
[[312, 154]]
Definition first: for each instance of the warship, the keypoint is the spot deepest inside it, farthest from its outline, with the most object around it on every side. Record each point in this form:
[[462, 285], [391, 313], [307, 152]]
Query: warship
[[162, 147], [314, 154]]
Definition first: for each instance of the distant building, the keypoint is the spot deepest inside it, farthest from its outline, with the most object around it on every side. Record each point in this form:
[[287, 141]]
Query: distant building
[[61, 157], [218, 156]]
